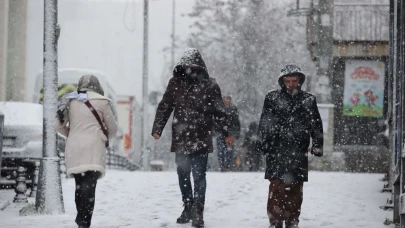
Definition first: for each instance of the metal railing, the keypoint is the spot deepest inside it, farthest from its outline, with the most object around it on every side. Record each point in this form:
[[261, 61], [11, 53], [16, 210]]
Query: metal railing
[[1, 137], [115, 161]]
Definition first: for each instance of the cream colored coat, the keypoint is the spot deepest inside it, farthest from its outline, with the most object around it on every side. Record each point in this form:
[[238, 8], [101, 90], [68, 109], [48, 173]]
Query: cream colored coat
[[85, 145]]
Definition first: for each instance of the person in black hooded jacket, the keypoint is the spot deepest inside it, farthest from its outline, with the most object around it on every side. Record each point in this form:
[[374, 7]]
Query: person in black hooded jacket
[[196, 101], [253, 158], [225, 153], [290, 118]]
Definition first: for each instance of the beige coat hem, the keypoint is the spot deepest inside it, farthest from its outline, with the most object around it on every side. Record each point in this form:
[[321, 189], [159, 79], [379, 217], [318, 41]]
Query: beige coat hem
[[85, 168]]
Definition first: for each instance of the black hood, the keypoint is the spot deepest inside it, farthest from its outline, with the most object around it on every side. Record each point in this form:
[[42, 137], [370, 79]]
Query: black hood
[[290, 70], [193, 59]]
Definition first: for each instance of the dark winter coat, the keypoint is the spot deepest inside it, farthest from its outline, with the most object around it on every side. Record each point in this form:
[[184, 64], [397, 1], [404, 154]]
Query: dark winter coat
[[233, 119], [196, 101], [286, 125], [251, 138]]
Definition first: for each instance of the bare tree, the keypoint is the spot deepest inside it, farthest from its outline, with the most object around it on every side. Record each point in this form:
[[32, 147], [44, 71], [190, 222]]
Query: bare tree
[[245, 43]]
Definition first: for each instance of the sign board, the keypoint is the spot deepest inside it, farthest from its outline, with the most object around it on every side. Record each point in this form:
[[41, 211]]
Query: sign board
[[364, 88], [125, 115]]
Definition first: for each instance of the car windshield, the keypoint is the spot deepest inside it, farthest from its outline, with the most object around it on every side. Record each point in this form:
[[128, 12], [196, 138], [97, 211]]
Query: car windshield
[[21, 113]]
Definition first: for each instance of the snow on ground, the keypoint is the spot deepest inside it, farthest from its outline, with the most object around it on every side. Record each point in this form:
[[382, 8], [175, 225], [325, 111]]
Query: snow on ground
[[152, 199]]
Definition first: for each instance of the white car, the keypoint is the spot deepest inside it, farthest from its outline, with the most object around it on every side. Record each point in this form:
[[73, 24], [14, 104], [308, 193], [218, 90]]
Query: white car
[[22, 139]]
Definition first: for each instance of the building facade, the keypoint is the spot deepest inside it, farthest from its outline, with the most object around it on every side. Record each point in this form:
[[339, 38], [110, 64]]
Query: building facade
[[13, 26]]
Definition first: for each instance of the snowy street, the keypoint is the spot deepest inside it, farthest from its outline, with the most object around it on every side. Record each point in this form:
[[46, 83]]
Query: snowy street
[[133, 90], [152, 199]]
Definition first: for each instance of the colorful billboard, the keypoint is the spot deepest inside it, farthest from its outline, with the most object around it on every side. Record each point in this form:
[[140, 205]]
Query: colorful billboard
[[364, 88]]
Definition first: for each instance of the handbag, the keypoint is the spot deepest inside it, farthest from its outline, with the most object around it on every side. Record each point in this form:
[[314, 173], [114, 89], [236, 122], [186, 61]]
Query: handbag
[[104, 129]]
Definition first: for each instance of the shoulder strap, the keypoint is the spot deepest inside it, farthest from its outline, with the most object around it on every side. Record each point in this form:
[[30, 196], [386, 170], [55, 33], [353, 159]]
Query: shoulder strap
[[88, 104]]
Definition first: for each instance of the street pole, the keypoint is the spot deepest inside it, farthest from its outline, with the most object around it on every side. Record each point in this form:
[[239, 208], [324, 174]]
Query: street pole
[[145, 155], [49, 196], [324, 65], [173, 30]]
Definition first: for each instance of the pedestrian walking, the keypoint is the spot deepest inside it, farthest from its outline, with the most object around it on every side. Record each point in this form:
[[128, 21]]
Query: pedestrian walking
[[88, 122], [195, 98], [290, 118], [226, 153], [253, 157]]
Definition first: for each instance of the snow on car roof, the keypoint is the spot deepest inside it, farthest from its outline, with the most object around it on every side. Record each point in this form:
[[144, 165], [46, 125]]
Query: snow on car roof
[[72, 75], [21, 113]]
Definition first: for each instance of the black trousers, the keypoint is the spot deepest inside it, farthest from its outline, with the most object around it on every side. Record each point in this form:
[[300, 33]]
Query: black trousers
[[196, 164], [85, 196]]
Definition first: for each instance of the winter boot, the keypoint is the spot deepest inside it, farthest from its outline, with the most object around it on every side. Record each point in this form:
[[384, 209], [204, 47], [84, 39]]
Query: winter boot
[[185, 216], [276, 225], [198, 215], [291, 224]]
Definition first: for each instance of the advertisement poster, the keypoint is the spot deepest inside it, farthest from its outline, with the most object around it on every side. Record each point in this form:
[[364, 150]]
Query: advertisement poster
[[364, 88]]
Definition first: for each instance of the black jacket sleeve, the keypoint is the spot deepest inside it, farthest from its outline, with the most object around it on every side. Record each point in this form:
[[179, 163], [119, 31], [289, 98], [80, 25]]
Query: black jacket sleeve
[[236, 123], [265, 142], [316, 126], [164, 109]]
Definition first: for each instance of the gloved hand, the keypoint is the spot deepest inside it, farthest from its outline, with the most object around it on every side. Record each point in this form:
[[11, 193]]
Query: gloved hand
[[60, 116], [317, 151]]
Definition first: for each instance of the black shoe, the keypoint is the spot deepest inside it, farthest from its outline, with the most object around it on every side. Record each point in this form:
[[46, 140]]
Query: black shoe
[[276, 225], [198, 215], [185, 216]]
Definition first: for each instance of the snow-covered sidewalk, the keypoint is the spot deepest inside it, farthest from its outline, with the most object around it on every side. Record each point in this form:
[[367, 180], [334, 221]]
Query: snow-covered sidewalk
[[152, 199]]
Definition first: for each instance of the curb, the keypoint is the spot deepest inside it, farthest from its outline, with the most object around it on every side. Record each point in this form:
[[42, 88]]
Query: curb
[[4, 205]]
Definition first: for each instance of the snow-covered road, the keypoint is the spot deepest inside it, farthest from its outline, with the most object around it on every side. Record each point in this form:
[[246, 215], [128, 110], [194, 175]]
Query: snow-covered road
[[152, 199]]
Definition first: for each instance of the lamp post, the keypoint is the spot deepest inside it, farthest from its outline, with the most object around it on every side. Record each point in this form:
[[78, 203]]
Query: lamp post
[[145, 155], [173, 29], [319, 43], [145, 99], [307, 12], [49, 197]]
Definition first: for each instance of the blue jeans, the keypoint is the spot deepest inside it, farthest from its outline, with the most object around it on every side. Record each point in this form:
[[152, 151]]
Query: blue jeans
[[225, 154], [197, 164]]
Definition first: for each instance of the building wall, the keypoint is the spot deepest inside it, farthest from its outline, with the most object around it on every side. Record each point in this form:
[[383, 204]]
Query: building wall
[[361, 22], [3, 47], [16, 46], [13, 21]]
